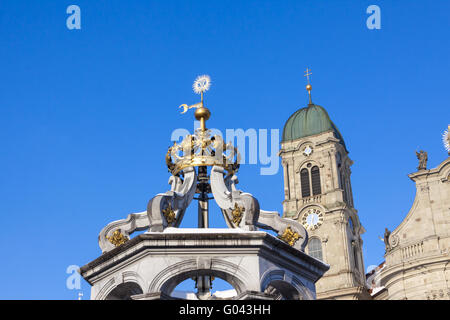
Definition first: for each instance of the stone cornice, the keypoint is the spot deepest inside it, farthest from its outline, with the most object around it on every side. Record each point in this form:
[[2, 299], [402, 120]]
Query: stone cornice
[[250, 243], [390, 272], [344, 293], [415, 176]]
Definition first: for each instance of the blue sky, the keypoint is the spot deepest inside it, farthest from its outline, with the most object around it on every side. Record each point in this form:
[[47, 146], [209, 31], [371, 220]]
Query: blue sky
[[86, 115]]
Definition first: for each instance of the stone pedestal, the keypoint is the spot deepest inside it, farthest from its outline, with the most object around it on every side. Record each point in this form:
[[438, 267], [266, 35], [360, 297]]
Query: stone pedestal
[[257, 264]]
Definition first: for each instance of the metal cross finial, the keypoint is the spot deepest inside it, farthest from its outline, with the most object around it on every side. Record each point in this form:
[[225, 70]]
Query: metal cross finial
[[307, 74], [308, 86]]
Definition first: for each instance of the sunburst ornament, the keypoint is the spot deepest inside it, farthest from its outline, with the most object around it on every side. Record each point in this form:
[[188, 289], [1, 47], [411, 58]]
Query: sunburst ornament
[[201, 84], [446, 139]]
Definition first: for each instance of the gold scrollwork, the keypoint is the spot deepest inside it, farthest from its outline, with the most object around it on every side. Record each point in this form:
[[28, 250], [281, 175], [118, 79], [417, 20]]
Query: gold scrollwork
[[290, 236], [117, 238], [169, 214], [237, 213]]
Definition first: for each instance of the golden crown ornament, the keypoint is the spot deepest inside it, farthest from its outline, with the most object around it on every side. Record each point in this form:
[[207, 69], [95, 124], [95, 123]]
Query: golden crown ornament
[[202, 149], [187, 183]]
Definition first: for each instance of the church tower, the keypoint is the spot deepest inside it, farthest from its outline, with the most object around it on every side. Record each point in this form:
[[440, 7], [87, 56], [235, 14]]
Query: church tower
[[318, 194]]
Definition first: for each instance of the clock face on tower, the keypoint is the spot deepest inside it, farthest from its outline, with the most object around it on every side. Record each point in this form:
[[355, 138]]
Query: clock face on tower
[[307, 151], [312, 218]]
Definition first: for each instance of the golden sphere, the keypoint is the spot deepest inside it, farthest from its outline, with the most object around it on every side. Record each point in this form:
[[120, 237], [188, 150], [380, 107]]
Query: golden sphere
[[202, 113], [308, 87]]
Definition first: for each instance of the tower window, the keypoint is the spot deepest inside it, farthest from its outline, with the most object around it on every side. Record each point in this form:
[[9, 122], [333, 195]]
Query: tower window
[[304, 179], [315, 179], [350, 223], [315, 248], [344, 186]]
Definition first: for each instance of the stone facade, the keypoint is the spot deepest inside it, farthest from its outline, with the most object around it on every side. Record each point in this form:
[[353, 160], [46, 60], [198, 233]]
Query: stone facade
[[317, 180], [418, 252], [149, 266]]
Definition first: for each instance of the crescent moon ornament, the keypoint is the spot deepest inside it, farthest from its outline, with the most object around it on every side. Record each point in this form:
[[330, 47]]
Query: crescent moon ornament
[[185, 108], [200, 85]]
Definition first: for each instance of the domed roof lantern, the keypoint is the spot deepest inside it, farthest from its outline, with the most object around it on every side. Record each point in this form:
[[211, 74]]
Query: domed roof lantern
[[309, 121]]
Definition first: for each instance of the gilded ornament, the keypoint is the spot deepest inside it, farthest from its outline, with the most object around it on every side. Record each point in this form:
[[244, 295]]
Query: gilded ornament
[[308, 86], [117, 238], [290, 236], [237, 213], [202, 149], [169, 214]]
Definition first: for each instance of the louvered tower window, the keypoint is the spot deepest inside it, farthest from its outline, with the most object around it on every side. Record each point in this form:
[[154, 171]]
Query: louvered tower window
[[315, 179], [304, 179]]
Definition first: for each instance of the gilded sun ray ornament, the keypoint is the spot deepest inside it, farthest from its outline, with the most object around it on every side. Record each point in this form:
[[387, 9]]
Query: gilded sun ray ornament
[[446, 139], [201, 84], [201, 148]]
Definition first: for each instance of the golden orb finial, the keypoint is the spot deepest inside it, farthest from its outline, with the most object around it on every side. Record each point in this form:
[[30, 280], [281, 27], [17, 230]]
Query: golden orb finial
[[201, 84], [308, 86], [201, 149]]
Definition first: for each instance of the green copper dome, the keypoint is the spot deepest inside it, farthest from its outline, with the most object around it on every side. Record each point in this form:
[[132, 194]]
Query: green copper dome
[[309, 121]]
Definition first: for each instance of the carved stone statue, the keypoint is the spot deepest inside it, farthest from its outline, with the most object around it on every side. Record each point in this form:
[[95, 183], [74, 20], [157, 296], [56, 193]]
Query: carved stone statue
[[387, 233], [423, 158]]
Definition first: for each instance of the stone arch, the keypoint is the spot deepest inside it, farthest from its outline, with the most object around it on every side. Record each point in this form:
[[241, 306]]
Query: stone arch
[[167, 279], [270, 275], [300, 146], [303, 164], [304, 291], [285, 290], [276, 281], [124, 291], [105, 290], [127, 277], [320, 172]]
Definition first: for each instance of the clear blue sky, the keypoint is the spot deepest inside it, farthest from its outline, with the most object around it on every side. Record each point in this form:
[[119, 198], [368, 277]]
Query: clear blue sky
[[86, 115]]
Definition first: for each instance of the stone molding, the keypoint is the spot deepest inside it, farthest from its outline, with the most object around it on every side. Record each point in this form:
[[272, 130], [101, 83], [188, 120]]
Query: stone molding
[[203, 252]]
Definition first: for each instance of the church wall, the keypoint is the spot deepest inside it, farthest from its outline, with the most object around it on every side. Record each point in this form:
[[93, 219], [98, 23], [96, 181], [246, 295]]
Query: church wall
[[417, 262]]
